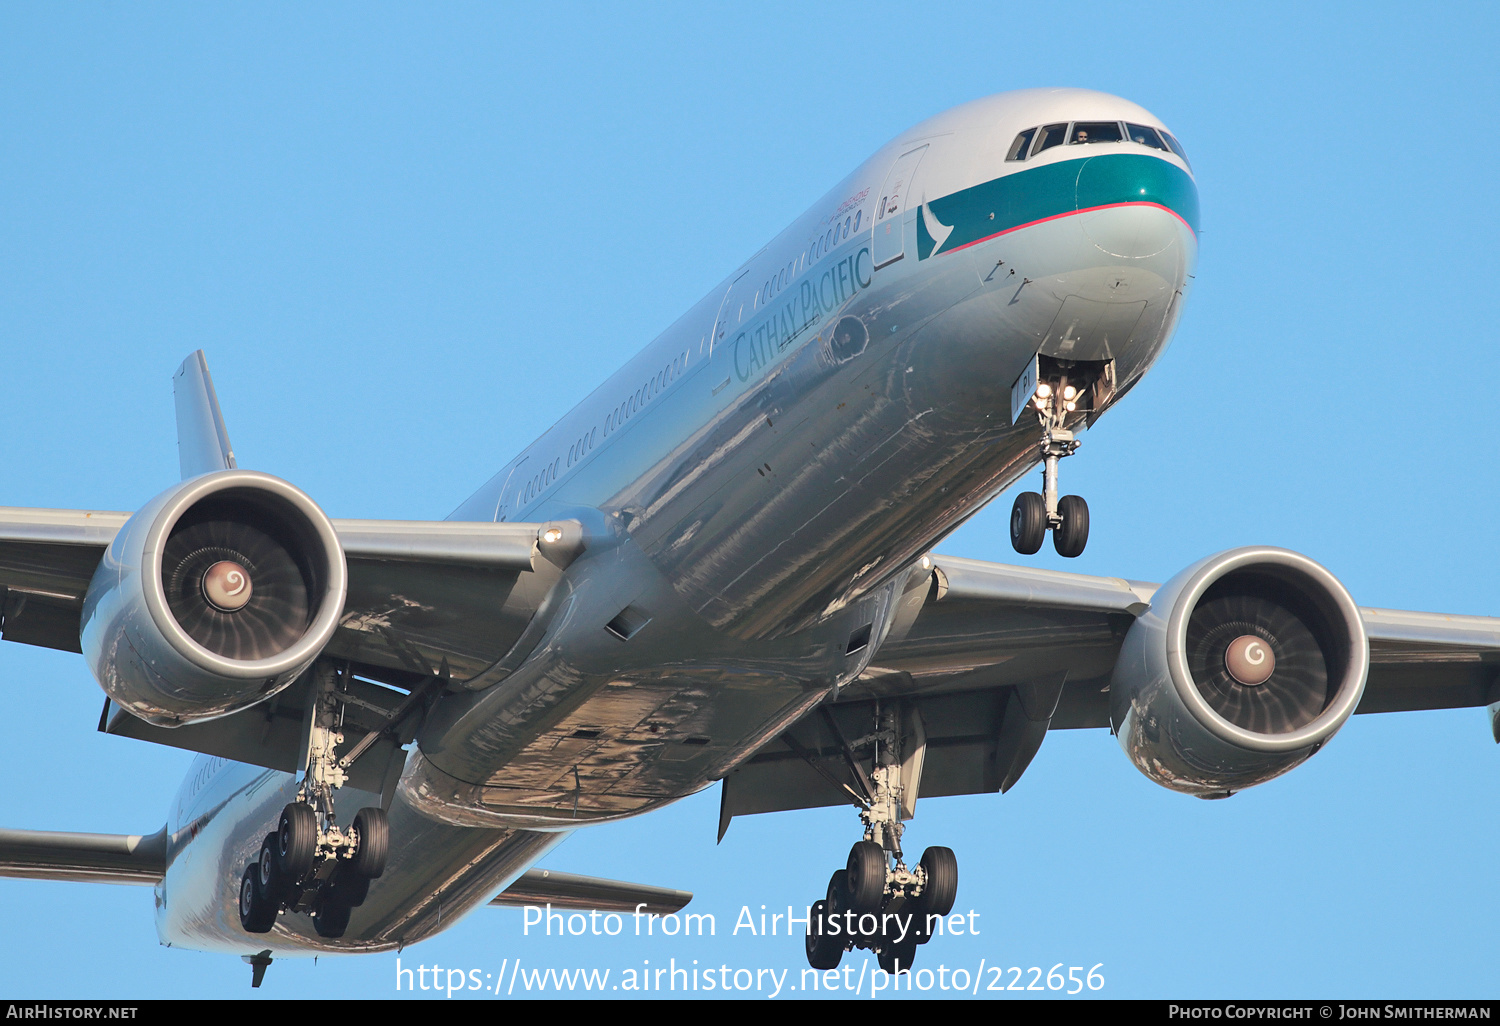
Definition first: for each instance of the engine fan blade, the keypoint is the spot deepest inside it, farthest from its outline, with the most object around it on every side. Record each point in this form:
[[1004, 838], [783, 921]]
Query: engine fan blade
[[277, 612], [1296, 691]]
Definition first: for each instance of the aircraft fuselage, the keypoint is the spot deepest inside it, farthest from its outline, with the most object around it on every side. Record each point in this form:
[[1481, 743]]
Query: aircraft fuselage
[[756, 485]]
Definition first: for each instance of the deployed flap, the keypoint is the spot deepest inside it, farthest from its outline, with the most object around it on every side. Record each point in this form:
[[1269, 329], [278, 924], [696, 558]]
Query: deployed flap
[[976, 742], [271, 734], [571, 891], [93, 858], [202, 439]]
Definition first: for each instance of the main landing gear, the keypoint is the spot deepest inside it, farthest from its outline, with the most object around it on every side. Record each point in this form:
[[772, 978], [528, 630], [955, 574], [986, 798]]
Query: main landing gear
[[876, 902], [310, 863], [1034, 515]]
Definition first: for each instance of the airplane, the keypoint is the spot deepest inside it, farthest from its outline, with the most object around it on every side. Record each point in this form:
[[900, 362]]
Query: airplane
[[719, 567]]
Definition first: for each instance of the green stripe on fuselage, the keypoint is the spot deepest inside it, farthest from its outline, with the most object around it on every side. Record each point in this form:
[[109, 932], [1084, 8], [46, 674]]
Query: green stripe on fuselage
[[1042, 192]]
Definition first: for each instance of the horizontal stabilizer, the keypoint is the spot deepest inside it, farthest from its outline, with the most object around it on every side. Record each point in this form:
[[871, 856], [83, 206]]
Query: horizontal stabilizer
[[589, 893], [90, 858]]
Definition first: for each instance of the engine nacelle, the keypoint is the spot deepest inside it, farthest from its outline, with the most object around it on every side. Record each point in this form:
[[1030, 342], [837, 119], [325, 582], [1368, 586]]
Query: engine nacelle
[[1245, 664], [216, 595]]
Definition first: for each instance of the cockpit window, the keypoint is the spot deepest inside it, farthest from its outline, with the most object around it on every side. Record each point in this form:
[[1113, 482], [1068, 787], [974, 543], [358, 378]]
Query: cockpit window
[[1145, 135], [1176, 148], [1095, 132], [1050, 136], [1022, 144]]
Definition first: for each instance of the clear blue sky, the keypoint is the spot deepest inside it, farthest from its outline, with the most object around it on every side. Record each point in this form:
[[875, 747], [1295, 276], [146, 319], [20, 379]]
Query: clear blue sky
[[409, 238]]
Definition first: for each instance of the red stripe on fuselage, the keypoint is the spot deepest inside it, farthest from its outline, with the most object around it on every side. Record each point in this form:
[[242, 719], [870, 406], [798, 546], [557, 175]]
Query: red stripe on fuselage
[[1070, 213]]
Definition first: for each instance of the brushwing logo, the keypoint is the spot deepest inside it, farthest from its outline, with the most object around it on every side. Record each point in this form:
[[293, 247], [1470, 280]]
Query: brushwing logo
[[934, 233]]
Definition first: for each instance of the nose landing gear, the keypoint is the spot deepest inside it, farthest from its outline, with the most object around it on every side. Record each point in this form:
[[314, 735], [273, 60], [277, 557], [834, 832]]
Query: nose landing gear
[[876, 901], [1034, 515]]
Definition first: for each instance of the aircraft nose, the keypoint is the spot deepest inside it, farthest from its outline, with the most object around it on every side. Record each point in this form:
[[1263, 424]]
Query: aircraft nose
[[1137, 208]]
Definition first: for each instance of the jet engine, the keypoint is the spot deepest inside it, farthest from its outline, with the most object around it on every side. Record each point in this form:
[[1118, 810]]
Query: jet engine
[[216, 595], [1245, 664]]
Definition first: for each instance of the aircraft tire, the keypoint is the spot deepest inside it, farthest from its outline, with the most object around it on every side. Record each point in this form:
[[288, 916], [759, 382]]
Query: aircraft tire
[[257, 912], [838, 892], [865, 883], [1073, 535], [897, 955], [823, 951], [942, 881], [348, 888], [296, 841], [273, 882], [332, 918], [1028, 523], [374, 831]]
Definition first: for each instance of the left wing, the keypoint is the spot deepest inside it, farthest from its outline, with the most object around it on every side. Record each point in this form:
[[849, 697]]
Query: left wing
[[985, 658]]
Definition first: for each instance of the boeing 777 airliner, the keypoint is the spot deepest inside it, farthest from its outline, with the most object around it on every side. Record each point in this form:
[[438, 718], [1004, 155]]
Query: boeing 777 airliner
[[718, 567]]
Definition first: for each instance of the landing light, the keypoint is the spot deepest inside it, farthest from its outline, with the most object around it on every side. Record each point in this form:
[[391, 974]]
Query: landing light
[[1069, 392], [1071, 407], [1044, 390], [552, 535]]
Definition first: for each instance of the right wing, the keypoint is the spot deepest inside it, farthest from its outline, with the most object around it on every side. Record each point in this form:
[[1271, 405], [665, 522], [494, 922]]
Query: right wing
[[142, 859], [420, 592], [426, 600], [93, 858], [590, 893]]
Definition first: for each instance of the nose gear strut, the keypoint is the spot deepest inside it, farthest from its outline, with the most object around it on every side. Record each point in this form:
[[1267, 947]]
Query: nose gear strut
[[1033, 515]]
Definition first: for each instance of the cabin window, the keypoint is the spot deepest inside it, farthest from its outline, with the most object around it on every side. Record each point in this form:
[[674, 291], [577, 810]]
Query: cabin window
[[1050, 136], [857, 215], [1144, 135], [1087, 132], [1021, 146]]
